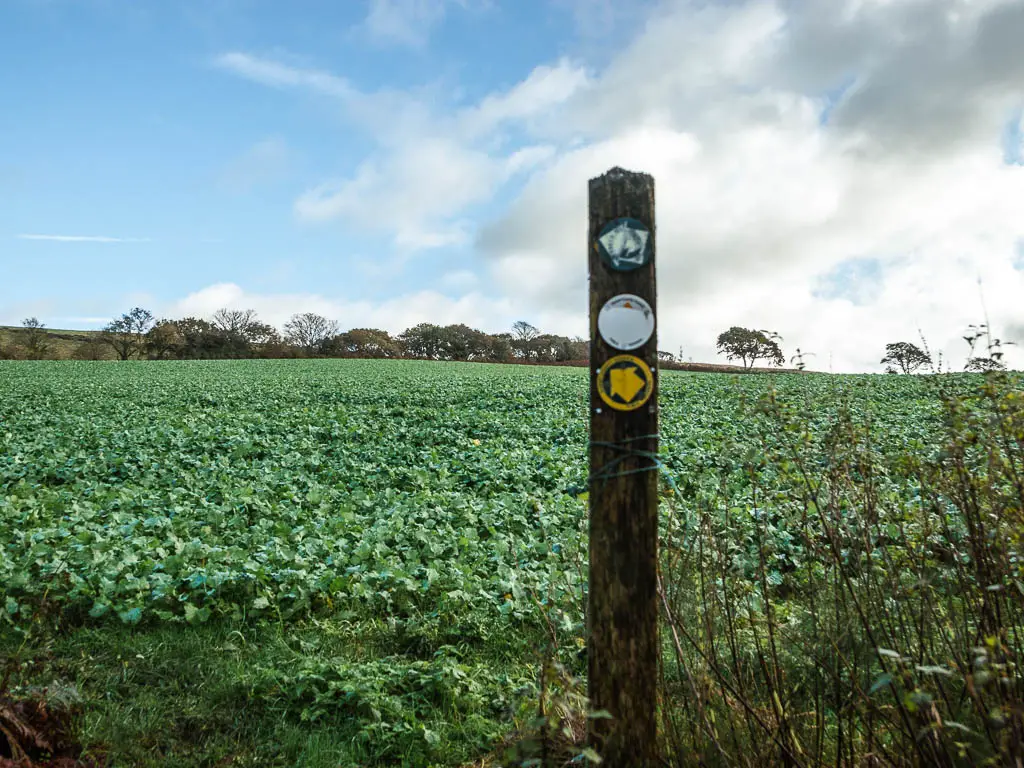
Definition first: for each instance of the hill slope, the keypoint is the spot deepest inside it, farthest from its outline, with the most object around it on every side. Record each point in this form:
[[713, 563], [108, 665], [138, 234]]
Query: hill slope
[[63, 343]]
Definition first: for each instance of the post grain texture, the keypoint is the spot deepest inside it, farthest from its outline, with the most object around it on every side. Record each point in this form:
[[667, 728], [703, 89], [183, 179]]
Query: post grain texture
[[622, 613]]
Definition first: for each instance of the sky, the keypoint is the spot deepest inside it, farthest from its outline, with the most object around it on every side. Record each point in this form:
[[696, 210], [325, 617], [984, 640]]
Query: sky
[[846, 173]]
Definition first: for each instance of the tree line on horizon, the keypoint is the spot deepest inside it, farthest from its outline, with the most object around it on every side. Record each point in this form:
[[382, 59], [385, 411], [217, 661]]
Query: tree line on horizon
[[240, 334]]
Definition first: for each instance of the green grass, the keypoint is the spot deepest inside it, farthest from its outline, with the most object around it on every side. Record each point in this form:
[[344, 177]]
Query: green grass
[[334, 562], [201, 695]]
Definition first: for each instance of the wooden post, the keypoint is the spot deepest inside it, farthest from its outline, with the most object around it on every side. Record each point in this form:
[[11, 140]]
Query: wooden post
[[623, 649]]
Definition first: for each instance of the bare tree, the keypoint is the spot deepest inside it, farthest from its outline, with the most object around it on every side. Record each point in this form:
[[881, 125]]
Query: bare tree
[[239, 330], [309, 330], [127, 334], [523, 337], [34, 338], [523, 331], [235, 321]]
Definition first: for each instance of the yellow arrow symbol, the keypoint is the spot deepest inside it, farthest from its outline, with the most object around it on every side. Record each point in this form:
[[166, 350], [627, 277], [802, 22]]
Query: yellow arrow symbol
[[626, 382]]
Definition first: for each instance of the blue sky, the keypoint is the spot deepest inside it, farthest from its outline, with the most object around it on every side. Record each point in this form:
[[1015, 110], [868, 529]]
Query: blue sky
[[841, 178], [120, 121]]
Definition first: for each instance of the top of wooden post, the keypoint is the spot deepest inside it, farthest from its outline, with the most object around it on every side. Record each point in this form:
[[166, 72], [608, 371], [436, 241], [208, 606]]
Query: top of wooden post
[[613, 174]]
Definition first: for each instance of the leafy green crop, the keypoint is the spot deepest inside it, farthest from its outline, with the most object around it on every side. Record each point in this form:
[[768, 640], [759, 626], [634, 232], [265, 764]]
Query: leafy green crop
[[443, 499], [181, 492]]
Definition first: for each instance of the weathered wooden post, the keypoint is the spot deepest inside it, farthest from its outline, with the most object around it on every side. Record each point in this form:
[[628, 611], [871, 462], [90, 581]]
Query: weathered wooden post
[[623, 649]]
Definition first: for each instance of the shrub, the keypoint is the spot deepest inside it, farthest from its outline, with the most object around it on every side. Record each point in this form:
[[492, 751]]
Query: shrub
[[870, 613]]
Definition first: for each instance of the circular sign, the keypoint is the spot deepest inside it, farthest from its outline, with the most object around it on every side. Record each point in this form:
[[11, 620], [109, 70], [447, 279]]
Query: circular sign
[[626, 321], [625, 382], [625, 244]]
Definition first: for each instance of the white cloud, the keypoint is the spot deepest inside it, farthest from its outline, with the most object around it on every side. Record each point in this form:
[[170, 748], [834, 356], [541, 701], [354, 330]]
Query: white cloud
[[528, 158], [407, 22], [414, 191], [757, 199], [543, 89], [392, 188], [599, 20], [430, 166], [383, 114], [278, 75], [85, 239], [759, 196], [460, 280]]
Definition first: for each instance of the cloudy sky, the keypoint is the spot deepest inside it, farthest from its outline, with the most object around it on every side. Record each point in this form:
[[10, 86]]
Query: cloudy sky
[[844, 173]]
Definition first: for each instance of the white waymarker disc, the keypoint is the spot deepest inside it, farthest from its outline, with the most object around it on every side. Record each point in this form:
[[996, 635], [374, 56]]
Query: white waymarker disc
[[626, 321]]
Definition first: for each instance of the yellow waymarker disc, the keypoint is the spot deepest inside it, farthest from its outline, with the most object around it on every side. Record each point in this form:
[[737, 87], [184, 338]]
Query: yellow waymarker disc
[[625, 382]]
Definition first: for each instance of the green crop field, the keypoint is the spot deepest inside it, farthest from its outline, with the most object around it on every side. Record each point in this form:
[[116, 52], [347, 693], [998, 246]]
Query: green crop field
[[345, 562]]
